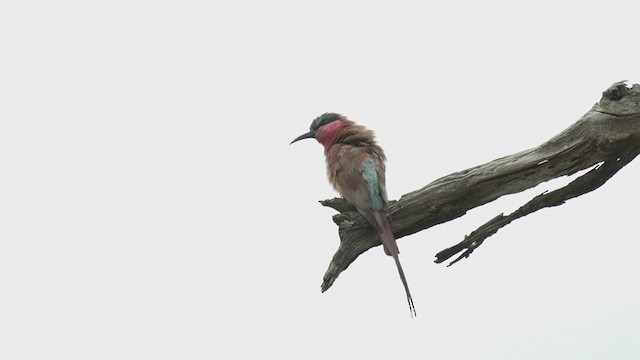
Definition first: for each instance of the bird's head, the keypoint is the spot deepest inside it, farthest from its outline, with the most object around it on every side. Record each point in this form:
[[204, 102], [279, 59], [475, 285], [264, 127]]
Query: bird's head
[[323, 128]]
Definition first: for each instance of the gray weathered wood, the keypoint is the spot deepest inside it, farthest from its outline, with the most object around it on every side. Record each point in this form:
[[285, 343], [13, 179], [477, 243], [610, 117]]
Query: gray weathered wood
[[606, 138]]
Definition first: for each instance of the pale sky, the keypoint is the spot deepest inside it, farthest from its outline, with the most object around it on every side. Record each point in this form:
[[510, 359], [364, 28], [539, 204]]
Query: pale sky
[[152, 207]]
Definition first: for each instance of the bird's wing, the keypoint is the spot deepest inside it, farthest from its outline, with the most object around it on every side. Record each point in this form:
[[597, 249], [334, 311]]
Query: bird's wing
[[360, 179]]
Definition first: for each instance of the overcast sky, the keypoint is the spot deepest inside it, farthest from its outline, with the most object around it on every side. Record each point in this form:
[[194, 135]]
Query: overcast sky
[[152, 208]]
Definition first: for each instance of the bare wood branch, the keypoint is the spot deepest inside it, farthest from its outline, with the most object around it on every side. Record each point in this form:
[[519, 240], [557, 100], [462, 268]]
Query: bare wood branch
[[608, 135], [582, 185]]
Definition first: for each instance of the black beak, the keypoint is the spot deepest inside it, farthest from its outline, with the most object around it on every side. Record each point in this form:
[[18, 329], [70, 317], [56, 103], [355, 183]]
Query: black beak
[[308, 135]]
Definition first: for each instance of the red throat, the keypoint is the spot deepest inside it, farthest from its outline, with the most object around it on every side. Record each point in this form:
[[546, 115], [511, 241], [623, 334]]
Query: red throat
[[327, 133]]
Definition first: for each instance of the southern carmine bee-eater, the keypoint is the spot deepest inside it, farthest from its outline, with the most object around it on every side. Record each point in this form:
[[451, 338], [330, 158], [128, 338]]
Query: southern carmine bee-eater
[[356, 169]]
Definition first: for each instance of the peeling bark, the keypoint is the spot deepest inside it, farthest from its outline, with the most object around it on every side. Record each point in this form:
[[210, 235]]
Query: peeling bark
[[606, 139]]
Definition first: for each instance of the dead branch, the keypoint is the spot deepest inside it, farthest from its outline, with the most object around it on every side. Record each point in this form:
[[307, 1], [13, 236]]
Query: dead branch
[[606, 139]]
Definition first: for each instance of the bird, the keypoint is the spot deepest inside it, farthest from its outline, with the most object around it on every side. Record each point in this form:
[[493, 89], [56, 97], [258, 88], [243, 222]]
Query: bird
[[356, 169]]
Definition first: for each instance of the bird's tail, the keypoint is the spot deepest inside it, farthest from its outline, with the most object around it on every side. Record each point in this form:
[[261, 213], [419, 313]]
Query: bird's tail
[[391, 249], [386, 235]]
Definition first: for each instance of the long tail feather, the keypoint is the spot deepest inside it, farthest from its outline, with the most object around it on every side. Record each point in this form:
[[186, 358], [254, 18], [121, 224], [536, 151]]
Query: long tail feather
[[391, 248]]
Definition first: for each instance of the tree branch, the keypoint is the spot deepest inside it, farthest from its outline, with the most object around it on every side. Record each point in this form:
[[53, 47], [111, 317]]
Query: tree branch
[[606, 139]]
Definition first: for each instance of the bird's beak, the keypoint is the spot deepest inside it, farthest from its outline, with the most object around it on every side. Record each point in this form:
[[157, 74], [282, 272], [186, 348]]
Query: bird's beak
[[308, 135]]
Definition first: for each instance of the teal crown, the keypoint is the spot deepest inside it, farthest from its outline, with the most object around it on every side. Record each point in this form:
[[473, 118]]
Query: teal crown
[[323, 119]]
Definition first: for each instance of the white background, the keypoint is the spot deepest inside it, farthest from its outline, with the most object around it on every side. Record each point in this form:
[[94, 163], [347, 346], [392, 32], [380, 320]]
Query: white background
[[152, 208]]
